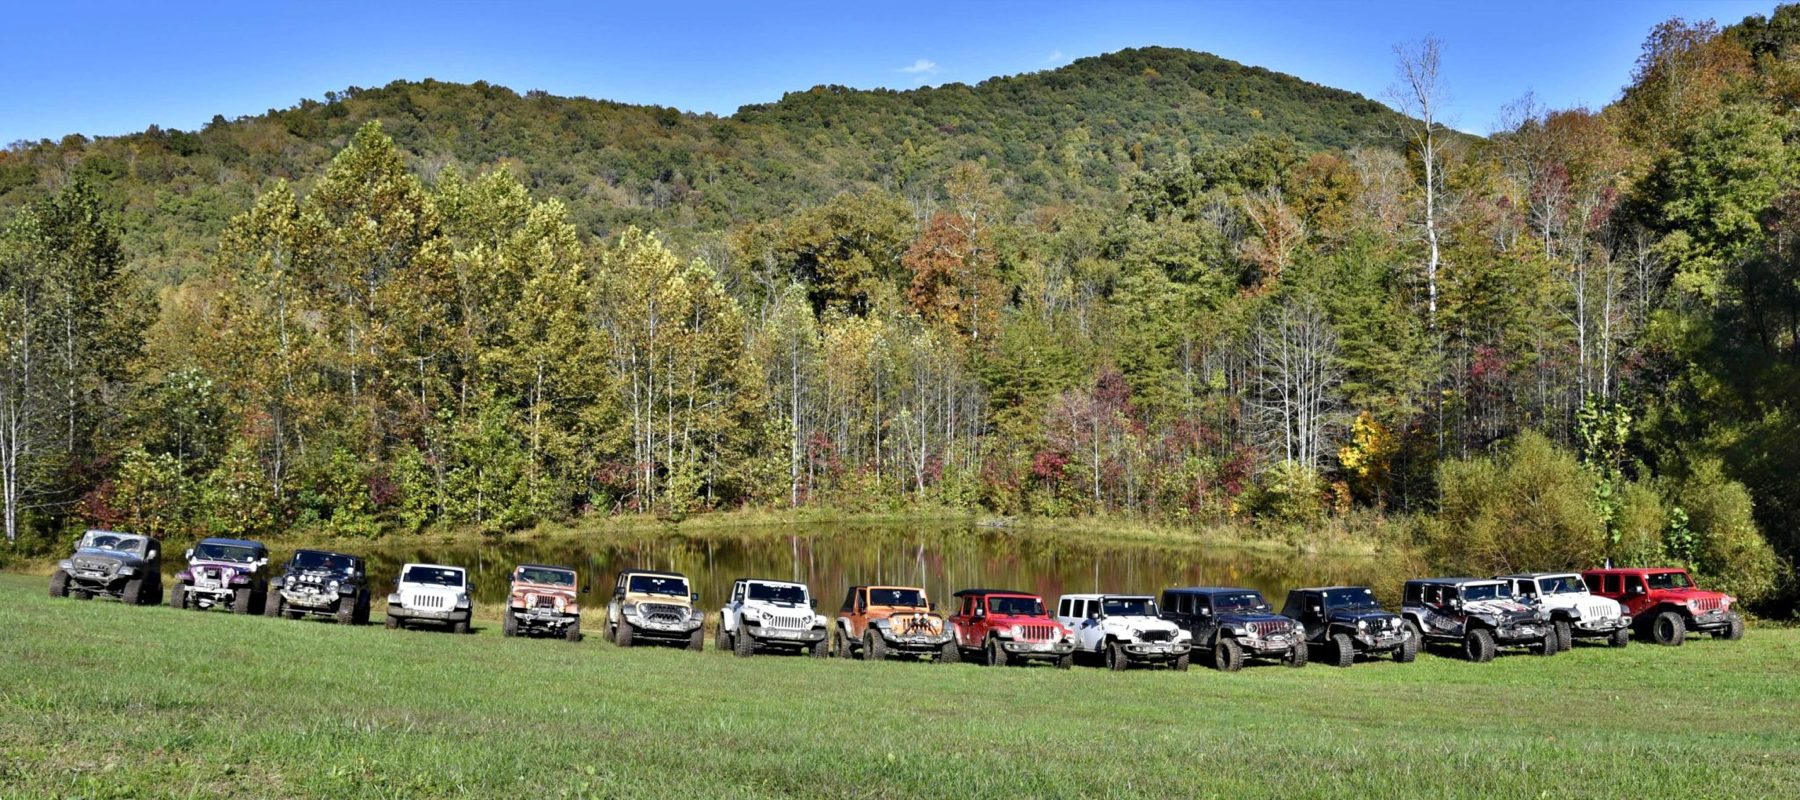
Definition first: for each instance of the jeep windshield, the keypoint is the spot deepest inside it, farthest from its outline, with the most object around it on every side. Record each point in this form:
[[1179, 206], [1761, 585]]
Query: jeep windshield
[[236, 554], [118, 542], [1350, 599], [1561, 584], [1670, 580], [657, 584], [1128, 607], [777, 594], [1239, 601], [436, 576], [315, 561], [896, 597], [1015, 606], [545, 575], [1476, 592]]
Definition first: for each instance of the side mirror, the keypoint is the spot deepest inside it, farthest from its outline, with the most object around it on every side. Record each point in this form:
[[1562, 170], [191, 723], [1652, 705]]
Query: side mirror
[[931, 606], [585, 588], [980, 612], [1094, 616], [1315, 609], [814, 602], [190, 554], [694, 597], [1635, 590], [1205, 612]]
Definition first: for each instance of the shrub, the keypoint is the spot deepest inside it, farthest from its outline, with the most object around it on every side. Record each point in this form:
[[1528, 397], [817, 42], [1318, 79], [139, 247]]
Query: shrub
[[1728, 551], [1529, 509]]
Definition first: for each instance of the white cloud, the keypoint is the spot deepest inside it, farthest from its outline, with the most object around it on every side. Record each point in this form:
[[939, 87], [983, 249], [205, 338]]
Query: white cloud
[[923, 66], [1055, 57]]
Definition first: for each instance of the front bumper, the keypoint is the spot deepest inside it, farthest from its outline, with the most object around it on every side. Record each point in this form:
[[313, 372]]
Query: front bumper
[[542, 617], [1157, 651], [1602, 626], [1268, 647], [1521, 634], [1047, 650], [918, 643], [657, 629], [435, 615], [1379, 641], [1711, 620], [301, 599], [784, 635]]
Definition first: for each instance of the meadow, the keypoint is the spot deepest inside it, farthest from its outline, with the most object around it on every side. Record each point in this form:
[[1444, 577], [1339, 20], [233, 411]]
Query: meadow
[[99, 700]]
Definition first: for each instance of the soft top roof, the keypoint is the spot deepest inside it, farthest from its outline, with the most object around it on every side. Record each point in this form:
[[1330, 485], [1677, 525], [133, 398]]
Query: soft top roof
[[984, 592], [233, 542], [1211, 590], [118, 533], [543, 566], [1452, 581]]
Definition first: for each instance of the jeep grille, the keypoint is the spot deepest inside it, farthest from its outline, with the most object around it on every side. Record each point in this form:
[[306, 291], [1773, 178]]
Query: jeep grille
[[662, 612], [1707, 604], [794, 623], [1269, 628], [1598, 611], [430, 601], [94, 564], [1039, 633], [1157, 636]]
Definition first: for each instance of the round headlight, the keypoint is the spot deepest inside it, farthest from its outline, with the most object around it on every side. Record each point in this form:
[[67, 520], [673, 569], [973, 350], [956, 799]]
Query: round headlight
[[752, 614], [128, 571], [1362, 624], [66, 564], [332, 586], [1018, 631]]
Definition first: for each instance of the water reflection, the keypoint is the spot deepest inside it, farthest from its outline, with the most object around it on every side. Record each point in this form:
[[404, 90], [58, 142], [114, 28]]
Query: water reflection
[[943, 558]]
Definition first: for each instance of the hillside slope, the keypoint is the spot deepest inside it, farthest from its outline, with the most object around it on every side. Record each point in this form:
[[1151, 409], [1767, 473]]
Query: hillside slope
[[1061, 135]]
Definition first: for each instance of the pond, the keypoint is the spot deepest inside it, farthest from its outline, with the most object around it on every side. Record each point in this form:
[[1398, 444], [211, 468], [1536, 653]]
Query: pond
[[942, 557]]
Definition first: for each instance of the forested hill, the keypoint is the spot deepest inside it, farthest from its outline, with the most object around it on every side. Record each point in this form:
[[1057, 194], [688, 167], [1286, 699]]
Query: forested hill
[[1063, 135]]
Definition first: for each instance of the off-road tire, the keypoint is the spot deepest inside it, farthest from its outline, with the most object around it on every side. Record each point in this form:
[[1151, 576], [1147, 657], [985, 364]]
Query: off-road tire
[[721, 638], [509, 623], [950, 653], [362, 611], [742, 645], [1228, 655], [840, 645], [178, 596], [1478, 646], [1417, 634], [572, 631], [272, 607], [346, 610], [1298, 656], [1668, 628], [624, 634], [1565, 635], [1551, 645], [240, 600], [59, 584], [1408, 651], [820, 648], [1116, 660], [1342, 650], [1734, 630], [134, 592], [459, 626], [1181, 662], [697, 640], [1065, 661], [1619, 638], [389, 621], [997, 655], [874, 647]]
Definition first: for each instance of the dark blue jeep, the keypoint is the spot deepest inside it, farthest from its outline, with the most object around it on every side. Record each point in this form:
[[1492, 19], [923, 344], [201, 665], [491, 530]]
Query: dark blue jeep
[[1343, 621], [1235, 624]]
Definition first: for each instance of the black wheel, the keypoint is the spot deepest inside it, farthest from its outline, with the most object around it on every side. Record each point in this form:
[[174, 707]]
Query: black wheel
[[272, 607], [1733, 631], [1116, 659], [1620, 637], [362, 611], [697, 639], [624, 633], [572, 632], [1065, 661], [1478, 646], [742, 645], [346, 611], [134, 592], [842, 645], [874, 647], [1668, 628], [1408, 650], [721, 639], [997, 655], [509, 624], [1298, 656], [1181, 662], [1565, 635], [389, 621], [59, 584], [1228, 656], [178, 596], [820, 648], [1342, 650], [459, 626], [240, 600], [1551, 645], [950, 653]]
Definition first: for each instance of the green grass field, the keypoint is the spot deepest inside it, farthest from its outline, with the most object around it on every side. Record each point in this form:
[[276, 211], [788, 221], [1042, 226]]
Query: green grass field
[[99, 700]]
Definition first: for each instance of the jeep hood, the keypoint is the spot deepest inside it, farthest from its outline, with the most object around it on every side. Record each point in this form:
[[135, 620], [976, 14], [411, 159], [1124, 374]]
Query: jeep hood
[[1507, 609], [1684, 595], [1354, 616], [681, 601], [92, 554], [1237, 618]]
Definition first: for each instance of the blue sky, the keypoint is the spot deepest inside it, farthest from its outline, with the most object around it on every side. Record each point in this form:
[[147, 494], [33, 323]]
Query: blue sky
[[108, 68]]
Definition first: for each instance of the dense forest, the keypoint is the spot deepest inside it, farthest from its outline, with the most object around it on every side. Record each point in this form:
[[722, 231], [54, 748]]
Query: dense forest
[[1152, 284]]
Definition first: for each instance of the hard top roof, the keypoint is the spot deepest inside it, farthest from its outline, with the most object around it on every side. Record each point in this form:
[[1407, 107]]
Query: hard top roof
[[1105, 595], [1535, 575], [861, 586], [653, 573], [773, 582], [1632, 570], [1452, 581], [1209, 590], [543, 566], [327, 553], [1326, 588], [410, 564], [117, 533], [983, 592], [233, 542]]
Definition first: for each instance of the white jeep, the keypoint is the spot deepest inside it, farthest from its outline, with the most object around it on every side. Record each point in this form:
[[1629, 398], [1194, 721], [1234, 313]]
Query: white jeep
[[1575, 613], [1124, 630], [772, 615], [430, 593]]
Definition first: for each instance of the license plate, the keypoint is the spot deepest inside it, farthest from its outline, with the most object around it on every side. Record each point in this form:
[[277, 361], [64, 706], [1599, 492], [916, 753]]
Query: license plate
[[88, 573], [1041, 646]]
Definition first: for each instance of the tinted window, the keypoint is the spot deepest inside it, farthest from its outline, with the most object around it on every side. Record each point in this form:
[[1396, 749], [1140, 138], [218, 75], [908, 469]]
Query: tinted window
[[1128, 607], [657, 584], [213, 551], [1670, 580], [774, 594], [1238, 601], [323, 562], [1477, 592], [1016, 606], [896, 597], [1562, 584], [546, 575], [1356, 597], [434, 575]]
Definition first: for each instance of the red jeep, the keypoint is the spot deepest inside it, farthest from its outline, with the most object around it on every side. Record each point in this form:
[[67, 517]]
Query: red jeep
[[1008, 627], [1664, 603]]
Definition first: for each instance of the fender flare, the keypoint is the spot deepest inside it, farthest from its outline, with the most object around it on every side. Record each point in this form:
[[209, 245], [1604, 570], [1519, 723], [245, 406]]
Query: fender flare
[[1565, 615]]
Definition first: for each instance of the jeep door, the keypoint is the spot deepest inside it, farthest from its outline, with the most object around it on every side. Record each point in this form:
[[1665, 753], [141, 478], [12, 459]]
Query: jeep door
[[1309, 608]]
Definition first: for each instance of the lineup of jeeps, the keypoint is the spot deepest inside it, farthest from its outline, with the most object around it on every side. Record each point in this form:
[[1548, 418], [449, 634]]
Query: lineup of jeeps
[[1226, 627]]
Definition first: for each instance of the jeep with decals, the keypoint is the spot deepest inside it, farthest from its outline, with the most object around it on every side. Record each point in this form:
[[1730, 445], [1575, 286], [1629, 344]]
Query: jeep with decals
[[124, 566], [1666, 605], [1478, 615], [1003, 627], [877, 623], [773, 616], [655, 607], [1574, 612], [542, 600], [228, 573], [1235, 625], [1342, 622], [322, 584], [431, 593], [1123, 630]]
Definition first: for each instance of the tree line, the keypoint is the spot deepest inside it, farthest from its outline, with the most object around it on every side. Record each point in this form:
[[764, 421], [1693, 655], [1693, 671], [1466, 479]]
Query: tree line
[[1570, 341]]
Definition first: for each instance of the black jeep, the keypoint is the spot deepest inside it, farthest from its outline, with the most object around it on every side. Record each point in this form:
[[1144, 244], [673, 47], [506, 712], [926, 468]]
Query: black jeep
[[1234, 625], [124, 566], [1479, 615], [323, 583], [1343, 621]]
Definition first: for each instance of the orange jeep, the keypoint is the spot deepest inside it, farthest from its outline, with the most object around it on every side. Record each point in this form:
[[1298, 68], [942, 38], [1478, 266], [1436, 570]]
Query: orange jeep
[[877, 622]]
